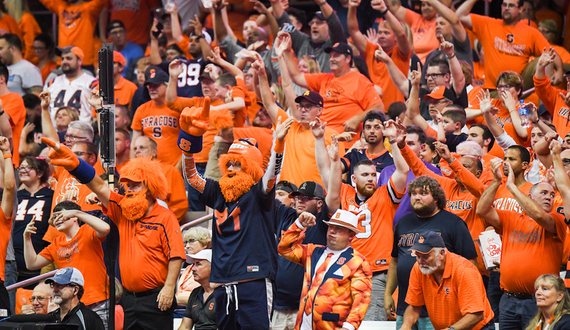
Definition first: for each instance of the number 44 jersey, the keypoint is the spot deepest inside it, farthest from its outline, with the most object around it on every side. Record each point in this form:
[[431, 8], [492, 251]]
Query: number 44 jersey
[[71, 93]]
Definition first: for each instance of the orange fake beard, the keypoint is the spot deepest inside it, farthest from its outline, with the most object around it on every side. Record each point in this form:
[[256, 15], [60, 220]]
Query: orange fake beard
[[235, 184], [134, 205]]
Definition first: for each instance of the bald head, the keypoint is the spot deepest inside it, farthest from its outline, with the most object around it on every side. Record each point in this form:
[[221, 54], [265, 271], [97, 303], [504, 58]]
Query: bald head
[[146, 147], [41, 297]]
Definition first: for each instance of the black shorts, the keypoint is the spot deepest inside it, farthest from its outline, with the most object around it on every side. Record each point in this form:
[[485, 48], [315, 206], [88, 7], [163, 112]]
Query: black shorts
[[142, 312]]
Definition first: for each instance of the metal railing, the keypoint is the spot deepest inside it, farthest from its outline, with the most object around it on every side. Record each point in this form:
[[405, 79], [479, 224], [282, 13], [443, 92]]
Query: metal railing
[[30, 280], [198, 221]]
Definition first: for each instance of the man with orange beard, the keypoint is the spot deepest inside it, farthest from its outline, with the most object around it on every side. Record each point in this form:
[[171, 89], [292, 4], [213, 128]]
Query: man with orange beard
[[243, 235], [149, 235]]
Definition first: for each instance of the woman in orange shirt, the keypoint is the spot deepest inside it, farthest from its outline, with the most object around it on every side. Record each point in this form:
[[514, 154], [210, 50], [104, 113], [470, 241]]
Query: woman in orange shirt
[[27, 24], [43, 47]]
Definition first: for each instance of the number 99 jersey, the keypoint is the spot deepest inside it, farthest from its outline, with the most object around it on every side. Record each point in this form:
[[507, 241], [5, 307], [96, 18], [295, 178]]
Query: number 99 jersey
[[74, 94], [375, 222], [188, 84]]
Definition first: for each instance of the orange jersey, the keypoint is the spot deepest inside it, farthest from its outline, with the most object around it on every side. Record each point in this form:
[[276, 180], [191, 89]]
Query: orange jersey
[[30, 30], [85, 253], [263, 136], [9, 24], [375, 222], [208, 138], [554, 103], [150, 243], [6, 223], [528, 250], [504, 199], [506, 47], [379, 73], [136, 16], [344, 97], [13, 104], [77, 24], [300, 149], [460, 292], [160, 123], [176, 198], [423, 31], [240, 117]]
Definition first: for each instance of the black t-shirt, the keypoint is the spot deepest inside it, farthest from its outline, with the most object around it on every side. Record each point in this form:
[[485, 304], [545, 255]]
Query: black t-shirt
[[202, 313], [453, 140], [454, 232]]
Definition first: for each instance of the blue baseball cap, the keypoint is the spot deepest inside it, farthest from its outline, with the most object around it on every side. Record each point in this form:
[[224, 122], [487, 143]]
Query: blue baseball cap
[[68, 275]]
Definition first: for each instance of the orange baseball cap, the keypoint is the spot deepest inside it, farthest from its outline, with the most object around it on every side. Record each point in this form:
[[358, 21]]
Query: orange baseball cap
[[248, 149], [440, 92], [69, 49], [119, 58]]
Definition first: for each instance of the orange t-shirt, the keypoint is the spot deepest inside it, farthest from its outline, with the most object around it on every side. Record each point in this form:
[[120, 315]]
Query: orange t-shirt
[[554, 103], [85, 253], [6, 224], [208, 138], [13, 104], [263, 136], [136, 16], [253, 108], [375, 221], [77, 24], [149, 243], [379, 73], [9, 24], [506, 47], [30, 29], [344, 97], [240, 117], [300, 164], [423, 31], [504, 199], [160, 123], [528, 250], [124, 91], [460, 292], [176, 198], [564, 54], [46, 69]]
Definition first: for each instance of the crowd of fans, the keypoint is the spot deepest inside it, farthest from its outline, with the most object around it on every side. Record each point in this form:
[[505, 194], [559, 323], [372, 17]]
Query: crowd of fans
[[351, 156]]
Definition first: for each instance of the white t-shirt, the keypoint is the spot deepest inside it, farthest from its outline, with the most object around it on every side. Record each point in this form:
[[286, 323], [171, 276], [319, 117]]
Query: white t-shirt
[[74, 94], [23, 76]]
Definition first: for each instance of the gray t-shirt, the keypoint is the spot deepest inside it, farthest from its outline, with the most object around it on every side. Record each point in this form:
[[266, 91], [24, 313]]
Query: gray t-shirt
[[23, 76]]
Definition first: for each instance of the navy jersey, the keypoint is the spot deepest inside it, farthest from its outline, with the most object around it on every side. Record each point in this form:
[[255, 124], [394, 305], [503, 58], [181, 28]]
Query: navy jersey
[[243, 234], [452, 229], [189, 80], [354, 156], [38, 207], [289, 279]]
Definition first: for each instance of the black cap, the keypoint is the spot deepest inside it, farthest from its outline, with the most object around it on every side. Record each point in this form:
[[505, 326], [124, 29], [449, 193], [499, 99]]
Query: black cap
[[340, 47], [310, 189], [115, 24], [320, 16], [313, 97], [427, 241], [155, 75], [206, 76], [286, 186]]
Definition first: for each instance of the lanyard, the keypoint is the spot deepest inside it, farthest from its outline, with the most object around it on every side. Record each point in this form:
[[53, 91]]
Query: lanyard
[[546, 326]]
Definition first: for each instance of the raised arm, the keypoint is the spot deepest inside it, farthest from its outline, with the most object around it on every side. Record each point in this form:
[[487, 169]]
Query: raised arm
[[352, 24], [398, 78], [204, 45], [488, 110], [273, 170], [174, 70], [288, 57], [48, 129], [193, 124], [265, 90], [457, 29], [413, 103], [175, 23], [9, 178], [290, 95], [155, 58], [5, 128], [560, 174], [454, 65], [511, 104], [468, 179], [32, 259], [485, 207], [221, 27], [392, 130], [262, 10], [463, 13], [335, 176], [395, 25], [529, 206], [101, 227], [395, 6], [321, 153]]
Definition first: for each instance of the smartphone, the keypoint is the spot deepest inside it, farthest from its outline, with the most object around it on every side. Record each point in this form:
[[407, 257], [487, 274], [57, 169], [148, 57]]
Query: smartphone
[[288, 28], [159, 28]]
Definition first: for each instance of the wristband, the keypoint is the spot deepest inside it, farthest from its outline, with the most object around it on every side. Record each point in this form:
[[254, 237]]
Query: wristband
[[384, 12], [450, 57], [535, 122], [84, 173], [189, 143], [6, 156], [1, 112]]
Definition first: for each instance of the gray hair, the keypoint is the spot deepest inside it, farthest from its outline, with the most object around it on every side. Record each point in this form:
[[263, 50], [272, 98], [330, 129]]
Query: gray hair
[[471, 147], [84, 127]]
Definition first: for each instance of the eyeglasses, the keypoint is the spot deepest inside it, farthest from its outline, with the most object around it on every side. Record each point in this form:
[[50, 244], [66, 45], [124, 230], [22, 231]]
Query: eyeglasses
[[434, 75], [307, 107], [503, 87], [508, 5], [39, 299], [25, 168], [81, 153], [190, 241], [73, 137], [39, 48], [565, 161]]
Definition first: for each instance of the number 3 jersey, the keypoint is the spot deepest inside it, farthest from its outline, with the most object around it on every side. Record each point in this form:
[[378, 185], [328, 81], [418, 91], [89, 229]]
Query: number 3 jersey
[[30, 207], [74, 94], [375, 217]]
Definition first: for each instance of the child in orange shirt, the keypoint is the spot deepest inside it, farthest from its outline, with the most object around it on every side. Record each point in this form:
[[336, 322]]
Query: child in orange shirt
[[79, 247]]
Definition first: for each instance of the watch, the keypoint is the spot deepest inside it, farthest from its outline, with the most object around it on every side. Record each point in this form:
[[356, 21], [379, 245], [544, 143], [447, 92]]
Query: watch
[[451, 328]]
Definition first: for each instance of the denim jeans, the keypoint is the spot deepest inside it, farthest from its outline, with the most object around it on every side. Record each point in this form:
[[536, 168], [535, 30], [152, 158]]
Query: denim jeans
[[423, 323], [10, 277], [376, 311], [516, 313]]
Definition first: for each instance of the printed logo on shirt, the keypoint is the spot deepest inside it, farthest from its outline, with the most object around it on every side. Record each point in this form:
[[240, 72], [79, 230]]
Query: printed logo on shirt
[[459, 205], [211, 306], [446, 290], [523, 237], [252, 269], [508, 204], [70, 18], [381, 262], [154, 121], [507, 47], [149, 227], [510, 38], [341, 260], [65, 252]]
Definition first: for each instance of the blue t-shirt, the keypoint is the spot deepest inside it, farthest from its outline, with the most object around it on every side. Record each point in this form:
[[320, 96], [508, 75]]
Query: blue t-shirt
[[289, 279], [132, 52], [454, 232], [405, 206], [354, 156], [243, 234]]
